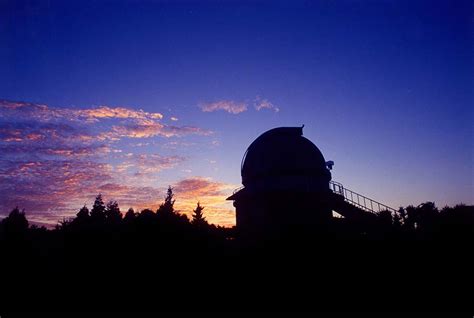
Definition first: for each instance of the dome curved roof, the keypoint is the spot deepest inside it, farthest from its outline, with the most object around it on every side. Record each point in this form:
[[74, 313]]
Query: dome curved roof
[[282, 151]]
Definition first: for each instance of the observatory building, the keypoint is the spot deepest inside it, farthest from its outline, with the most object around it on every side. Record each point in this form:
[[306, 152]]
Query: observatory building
[[285, 185]]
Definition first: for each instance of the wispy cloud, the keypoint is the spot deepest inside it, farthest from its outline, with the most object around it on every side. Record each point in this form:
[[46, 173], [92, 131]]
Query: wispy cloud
[[201, 187], [148, 128], [209, 193], [49, 185], [231, 107], [234, 107], [56, 159], [138, 197], [95, 114], [149, 163], [43, 112], [261, 103], [132, 124]]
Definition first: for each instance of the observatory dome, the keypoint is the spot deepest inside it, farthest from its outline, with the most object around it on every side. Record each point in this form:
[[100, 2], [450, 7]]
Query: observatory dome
[[283, 152]]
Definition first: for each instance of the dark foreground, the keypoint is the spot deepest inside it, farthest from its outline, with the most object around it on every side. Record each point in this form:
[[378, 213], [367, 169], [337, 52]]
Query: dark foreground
[[326, 276], [172, 265]]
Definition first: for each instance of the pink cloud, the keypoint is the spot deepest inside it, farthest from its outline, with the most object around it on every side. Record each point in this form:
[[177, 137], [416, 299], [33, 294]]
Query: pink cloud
[[260, 104], [209, 193], [40, 120], [56, 159], [94, 114], [226, 105], [149, 163], [147, 129]]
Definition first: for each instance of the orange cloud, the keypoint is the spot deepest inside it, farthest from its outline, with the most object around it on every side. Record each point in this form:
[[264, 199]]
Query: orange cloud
[[147, 129], [137, 197], [115, 112], [55, 159], [148, 163], [133, 124], [211, 194]]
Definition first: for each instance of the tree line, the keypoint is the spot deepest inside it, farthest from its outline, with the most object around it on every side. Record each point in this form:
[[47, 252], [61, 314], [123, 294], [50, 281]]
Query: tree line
[[163, 260]]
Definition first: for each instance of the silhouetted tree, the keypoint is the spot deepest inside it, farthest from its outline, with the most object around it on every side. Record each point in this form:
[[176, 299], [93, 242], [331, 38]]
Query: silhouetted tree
[[198, 217], [386, 217], [427, 216], [130, 215], [64, 223], [112, 212], [411, 219], [146, 217], [83, 213], [397, 221], [147, 213], [423, 218], [167, 208], [15, 223], [98, 209], [457, 222], [403, 215]]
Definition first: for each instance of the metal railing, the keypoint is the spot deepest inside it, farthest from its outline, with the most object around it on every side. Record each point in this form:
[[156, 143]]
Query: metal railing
[[238, 189], [354, 198], [359, 200]]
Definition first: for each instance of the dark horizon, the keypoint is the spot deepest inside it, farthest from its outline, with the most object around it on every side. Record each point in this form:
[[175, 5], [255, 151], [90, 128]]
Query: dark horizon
[[163, 262]]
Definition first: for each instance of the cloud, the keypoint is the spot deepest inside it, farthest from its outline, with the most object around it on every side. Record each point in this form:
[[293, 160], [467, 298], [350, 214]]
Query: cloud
[[149, 163], [26, 129], [51, 190], [45, 113], [200, 186], [178, 144], [137, 197], [56, 159], [231, 107], [95, 114], [174, 119], [180, 131], [148, 129], [211, 194], [48, 185], [260, 104], [63, 151], [44, 120]]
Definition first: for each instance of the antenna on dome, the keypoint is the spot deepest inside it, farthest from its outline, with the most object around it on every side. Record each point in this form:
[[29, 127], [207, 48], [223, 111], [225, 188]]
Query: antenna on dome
[[329, 164]]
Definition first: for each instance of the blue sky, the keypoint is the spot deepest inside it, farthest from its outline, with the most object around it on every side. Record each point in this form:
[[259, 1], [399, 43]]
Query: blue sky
[[384, 89]]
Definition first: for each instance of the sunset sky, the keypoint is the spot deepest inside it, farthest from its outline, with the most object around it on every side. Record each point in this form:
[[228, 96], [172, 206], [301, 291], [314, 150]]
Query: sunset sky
[[126, 98]]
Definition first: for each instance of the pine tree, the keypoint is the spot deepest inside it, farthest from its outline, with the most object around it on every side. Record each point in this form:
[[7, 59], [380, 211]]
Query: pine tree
[[198, 218], [167, 208], [112, 212], [83, 213], [98, 209]]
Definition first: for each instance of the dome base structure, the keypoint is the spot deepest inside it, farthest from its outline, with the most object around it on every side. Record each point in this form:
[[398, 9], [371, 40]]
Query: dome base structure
[[285, 186]]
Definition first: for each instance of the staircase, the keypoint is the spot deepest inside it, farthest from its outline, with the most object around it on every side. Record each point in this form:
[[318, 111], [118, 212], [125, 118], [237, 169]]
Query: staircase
[[349, 203]]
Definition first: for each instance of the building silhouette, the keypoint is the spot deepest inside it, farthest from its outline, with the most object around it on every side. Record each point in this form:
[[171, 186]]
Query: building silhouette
[[282, 172], [287, 188]]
